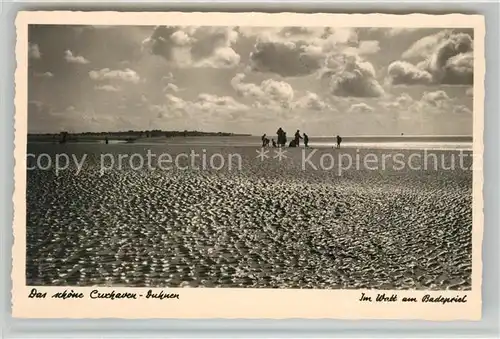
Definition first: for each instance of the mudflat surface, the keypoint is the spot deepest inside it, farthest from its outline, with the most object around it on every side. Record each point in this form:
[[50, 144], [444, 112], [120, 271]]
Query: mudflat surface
[[269, 224]]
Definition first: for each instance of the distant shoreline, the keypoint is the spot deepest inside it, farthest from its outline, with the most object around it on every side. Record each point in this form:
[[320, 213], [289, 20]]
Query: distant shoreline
[[128, 136], [245, 138]]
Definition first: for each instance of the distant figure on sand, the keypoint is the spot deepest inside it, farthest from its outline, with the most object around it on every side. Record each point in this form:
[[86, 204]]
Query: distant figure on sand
[[339, 140], [292, 143], [297, 138], [284, 139], [64, 136], [106, 140], [274, 143], [263, 138], [306, 140]]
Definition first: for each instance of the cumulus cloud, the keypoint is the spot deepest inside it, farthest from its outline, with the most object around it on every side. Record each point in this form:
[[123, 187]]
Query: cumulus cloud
[[286, 58], [176, 103], [194, 46], [402, 101], [437, 102], [360, 108], [246, 89], [402, 72], [353, 76], [107, 88], [461, 109], [311, 101], [44, 75], [442, 58], [277, 91], [181, 38], [368, 47], [174, 107], [169, 87], [458, 69], [268, 93], [34, 51], [126, 75], [435, 98], [426, 46], [74, 59], [298, 51], [224, 57], [167, 78]]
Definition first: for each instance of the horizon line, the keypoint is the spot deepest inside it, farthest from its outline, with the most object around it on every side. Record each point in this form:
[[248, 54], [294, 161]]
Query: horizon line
[[256, 135]]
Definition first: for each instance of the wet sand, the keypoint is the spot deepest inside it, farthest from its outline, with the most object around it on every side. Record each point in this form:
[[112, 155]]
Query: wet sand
[[269, 225]]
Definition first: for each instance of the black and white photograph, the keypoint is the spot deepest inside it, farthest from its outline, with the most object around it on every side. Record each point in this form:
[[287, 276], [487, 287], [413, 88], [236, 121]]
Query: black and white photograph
[[251, 157]]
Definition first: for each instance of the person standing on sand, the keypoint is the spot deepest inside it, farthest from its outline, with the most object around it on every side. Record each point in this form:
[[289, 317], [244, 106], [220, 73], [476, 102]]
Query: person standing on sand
[[263, 140], [280, 134], [274, 143], [339, 140], [297, 138], [283, 142], [306, 140]]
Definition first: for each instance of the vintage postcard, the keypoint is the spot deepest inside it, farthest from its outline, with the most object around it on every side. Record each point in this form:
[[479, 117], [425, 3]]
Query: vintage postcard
[[248, 165]]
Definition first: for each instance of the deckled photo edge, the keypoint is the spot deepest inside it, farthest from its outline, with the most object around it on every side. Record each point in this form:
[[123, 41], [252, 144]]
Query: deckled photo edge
[[20, 143], [26, 18]]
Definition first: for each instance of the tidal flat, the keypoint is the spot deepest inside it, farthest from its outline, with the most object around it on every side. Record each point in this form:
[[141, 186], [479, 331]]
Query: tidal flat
[[268, 224]]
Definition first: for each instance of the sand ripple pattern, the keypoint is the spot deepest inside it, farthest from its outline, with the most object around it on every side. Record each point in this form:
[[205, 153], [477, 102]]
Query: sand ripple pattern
[[270, 225]]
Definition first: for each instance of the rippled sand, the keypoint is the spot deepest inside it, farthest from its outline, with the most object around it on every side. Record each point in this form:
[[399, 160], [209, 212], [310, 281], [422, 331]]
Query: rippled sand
[[271, 224]]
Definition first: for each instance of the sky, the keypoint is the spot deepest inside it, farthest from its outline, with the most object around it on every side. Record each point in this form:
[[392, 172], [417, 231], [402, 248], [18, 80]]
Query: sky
[[321, 80]]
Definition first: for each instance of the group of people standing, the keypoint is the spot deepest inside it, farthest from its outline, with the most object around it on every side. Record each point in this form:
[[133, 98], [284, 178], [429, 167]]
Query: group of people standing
[[282, 139]]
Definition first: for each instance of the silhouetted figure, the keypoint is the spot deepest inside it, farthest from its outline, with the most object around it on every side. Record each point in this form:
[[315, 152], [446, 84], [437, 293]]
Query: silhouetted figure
[[292, 143], [284, 139], [265, 142], [274, 143], [106, 139], [297, 138], [263, 138], [339, 141], [64, 137], [306, 140], [280, 134]]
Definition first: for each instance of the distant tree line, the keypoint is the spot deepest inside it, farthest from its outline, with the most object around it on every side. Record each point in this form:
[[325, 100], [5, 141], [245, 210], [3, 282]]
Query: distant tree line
[[129, 135]]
